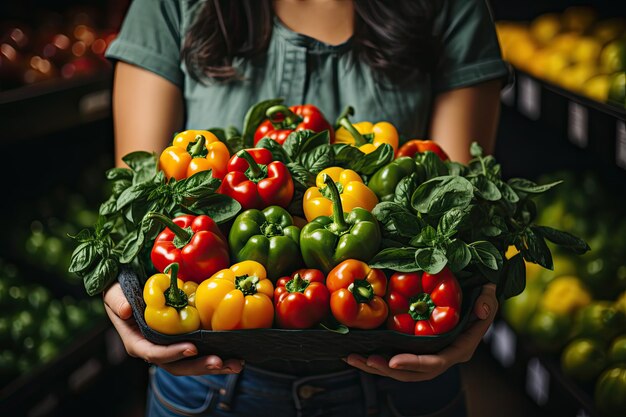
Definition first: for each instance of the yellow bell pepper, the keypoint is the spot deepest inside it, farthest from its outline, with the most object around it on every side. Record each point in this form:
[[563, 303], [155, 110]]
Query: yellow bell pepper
[[170, 305], [353, 193], [367, 136], [194, 151], [239, 297], [565, 295]]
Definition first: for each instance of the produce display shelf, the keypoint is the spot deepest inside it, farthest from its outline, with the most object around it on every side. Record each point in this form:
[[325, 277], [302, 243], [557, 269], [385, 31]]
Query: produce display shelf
[[540, 373], [596, 127], [84, 369], [54, 105]]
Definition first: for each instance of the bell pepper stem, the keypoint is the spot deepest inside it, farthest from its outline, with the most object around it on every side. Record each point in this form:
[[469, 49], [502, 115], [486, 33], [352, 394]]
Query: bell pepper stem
[[246, 284], [183, 236], [297, 284], [254, 170], [362, 290], [199, 147], [339, 221], [174, 296], [344, 122], [421, 307], [289, 118]]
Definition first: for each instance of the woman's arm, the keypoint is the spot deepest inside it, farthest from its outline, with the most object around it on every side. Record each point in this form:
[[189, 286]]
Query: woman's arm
[[465, 115], [147, 110], [459, 117]]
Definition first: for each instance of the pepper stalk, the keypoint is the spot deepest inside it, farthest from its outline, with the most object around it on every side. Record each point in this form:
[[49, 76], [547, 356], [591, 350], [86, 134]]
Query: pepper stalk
[[174, 296], [339, 224], [289, 118], [344, 122], [183, 236]]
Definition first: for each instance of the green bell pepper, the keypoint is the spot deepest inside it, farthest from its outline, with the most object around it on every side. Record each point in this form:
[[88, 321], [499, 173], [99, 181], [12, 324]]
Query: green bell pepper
[[617, 351], [600, 320], [610, 392], [583, 359], [385, 180], [330, 240], [268, 237]]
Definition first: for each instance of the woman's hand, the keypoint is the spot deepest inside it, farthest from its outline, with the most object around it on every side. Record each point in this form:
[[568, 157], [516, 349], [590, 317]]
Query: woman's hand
[[167, 357], [407, 367]]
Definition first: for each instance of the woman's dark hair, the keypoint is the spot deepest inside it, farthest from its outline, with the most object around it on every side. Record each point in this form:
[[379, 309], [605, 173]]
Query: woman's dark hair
[[393, 37]]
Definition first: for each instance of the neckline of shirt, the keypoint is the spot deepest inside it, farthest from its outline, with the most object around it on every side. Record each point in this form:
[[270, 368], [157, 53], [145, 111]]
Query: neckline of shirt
[[301, 40]]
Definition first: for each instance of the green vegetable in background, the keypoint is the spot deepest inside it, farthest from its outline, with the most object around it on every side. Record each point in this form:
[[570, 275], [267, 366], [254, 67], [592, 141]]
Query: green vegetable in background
[[549, 331], [610, 392], [617, 351], [600, 320], [386, 179], [583, 359]]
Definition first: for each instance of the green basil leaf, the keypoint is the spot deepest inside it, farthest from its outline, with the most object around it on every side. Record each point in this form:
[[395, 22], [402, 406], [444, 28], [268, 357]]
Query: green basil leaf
[[476, 150], [130, 246], [140, 160], [317, 159], [529, 187], [108, 207], [133, 193], [198, 185], [405, 189], [486, 254], [83, 257], [254, 117], [115, 174], [438, 195], [221, 208], [537, 251], [83, 236], [303, 177], [101, 276], [278, 152], [563, 239], [296, 142], [431, 260], [507, 192], [490, 231], [513, 280], [427, 237], [332, 325], [317, 139], [119, 187], [369, 163], [451, 221], [486, 189], [432, 164], [397, 259], [456, 169], [397, 222], [346, 154], [458, 254]]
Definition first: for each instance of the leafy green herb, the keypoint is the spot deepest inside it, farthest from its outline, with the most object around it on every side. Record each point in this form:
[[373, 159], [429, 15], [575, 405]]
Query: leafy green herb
[[254, 117]]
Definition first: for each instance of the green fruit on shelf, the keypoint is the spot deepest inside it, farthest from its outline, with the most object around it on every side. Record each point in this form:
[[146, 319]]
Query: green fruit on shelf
[[600, 320], [617, 351], [519, 309], [549, 331], [617, 89], [613, 56], [583, 359], [610, 392]]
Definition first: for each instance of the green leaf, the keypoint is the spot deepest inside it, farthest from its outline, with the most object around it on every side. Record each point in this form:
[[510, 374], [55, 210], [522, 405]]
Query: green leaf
[[317, 139], [433, 165], [133, 193], [456, 169], [140, 160], [476, 150], [397, 259], [303, 177], [427, 237], [431, 260], [108, 207], [229, 137], [563, 239], [397, 222], [514, 277], [369, 163], [101, 276], [346, 154], [119, 187], [83, 257], [332, 325], [529, 187], [536, 250], [458, 254], [405, 189], [221, 208], [297, 142], [486, 254], [130, 246], [485, 188], [254, 117], [278, 152], [115, 174], [507, 192], [198, 185], [438, 195], [451, 221], [317, 159]]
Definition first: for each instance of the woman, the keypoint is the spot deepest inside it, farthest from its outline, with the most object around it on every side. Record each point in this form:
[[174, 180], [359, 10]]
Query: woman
[[433, 69]]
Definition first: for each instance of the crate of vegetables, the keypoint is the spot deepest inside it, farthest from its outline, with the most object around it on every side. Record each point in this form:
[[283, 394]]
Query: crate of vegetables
[[299, 240]]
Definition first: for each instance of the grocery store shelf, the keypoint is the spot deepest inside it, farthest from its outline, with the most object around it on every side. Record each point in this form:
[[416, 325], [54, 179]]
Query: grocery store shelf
[[52, 106], [544, 383], [598, 128]]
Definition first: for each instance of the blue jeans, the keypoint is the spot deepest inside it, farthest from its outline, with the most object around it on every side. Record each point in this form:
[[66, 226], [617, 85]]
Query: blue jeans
[[256, 392]]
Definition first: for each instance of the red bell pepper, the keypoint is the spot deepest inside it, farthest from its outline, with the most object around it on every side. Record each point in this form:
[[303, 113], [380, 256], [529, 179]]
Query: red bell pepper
[[356, 292], [415, 146], [282, 120], [257, 182], [423, 303], [194, 242], [302, 300]]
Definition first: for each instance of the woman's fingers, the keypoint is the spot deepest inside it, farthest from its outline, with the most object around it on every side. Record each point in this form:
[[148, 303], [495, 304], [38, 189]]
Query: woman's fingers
[[117, 302]]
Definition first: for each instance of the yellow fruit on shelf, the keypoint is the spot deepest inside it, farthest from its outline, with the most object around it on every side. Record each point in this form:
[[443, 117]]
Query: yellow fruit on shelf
[[587, 49], [578, 18], [564, 296], [536, 66], [555, 63], [617, 89], [565, 42], [597, 88], [609, 30], [545, 27], [521, 52], [575, 76], [613, 56]]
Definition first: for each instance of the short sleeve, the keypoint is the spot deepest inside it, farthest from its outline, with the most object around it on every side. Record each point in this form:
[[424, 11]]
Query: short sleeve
[[150, 38], [469, 49]]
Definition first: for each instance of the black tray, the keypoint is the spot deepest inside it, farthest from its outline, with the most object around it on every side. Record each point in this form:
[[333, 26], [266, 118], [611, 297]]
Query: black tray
[[297, 345]]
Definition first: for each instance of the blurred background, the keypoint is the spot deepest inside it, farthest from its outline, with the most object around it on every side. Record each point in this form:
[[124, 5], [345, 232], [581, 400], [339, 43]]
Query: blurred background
[[552, 351]]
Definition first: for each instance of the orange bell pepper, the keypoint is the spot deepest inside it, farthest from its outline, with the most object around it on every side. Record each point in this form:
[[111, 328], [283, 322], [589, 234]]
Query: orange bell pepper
[[367, 136], [194, 151], [239, 297], [353, 193]]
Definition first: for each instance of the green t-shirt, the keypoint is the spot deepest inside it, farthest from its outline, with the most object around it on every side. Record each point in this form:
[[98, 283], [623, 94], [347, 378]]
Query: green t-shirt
[[304, 70]]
